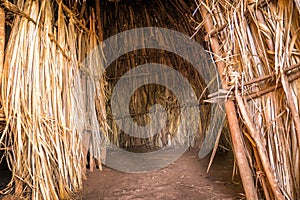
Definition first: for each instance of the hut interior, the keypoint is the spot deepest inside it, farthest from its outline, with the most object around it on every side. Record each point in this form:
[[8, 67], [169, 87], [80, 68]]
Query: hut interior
[[60, 108], [126, 15]]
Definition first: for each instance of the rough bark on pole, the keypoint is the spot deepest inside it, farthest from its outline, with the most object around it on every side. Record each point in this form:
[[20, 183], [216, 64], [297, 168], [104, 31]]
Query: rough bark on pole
[[237, 140]]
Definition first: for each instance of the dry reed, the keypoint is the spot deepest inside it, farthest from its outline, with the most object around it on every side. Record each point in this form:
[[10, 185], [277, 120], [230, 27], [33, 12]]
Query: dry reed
[[126, 16], [259, 43], [42, 100]]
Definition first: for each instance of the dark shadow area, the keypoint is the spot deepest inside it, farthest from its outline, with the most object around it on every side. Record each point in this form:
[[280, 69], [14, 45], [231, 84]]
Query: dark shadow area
[[5, 173]]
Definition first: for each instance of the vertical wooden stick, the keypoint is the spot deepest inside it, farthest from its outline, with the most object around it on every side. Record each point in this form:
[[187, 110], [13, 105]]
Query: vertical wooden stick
[[98, 19], [261, 149], [237, 140], [100, 35]]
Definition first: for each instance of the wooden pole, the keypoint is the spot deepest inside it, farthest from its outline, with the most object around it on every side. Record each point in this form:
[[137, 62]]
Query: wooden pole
[[236, 135], [99, 104], [98, 19], [261, 149]]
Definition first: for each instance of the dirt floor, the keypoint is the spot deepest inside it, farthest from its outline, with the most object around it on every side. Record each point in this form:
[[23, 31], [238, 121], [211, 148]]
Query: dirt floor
[[184, 179]]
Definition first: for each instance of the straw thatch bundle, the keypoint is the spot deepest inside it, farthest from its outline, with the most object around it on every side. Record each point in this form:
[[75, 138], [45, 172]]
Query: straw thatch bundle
[[43, 101], [257, 50]]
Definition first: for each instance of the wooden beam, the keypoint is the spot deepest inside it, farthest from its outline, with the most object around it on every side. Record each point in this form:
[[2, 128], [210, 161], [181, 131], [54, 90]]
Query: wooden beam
[[236, 135]]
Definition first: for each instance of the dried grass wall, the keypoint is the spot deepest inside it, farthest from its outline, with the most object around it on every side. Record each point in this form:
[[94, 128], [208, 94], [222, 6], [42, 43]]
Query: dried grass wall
[[122, 16], [43, 100], [257, 49]]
